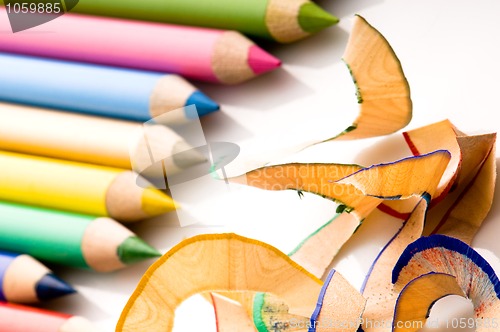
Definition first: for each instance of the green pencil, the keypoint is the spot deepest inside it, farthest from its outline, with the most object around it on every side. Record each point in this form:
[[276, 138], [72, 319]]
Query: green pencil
[[75, 240], [281, 20]]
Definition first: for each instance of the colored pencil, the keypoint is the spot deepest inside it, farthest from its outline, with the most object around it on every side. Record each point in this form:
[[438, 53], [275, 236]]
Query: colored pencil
[[281, 20], [18, 318], [99, 90], [23, 279], [70, 239], [196, 53], [78, 187], [92, 139]]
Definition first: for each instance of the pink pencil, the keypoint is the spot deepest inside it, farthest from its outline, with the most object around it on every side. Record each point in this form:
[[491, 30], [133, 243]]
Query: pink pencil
[[198, 53]]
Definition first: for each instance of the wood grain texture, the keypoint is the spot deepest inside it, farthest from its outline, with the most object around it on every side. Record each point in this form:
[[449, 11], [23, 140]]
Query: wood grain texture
[[464, 195], [281, 20], [382, 89], [418, 296], [169, 94], [100, 242], [469, 273], [229, 58], [245, 299], [214, 262], [461, 213], [438, 136], [231, 316], [339, 306], [21, 278], [268, 312], [401, 179], [318, 250], [377, 288]]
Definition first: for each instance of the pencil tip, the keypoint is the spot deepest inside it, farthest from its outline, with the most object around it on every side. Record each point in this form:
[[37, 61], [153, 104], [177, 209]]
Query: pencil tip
[[204, 105], [51, 287], [313, 18], [260, 61], [134, 249], [155, 202]]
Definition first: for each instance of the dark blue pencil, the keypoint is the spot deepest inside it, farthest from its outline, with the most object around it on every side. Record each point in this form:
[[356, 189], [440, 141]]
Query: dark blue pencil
[[25, 280]]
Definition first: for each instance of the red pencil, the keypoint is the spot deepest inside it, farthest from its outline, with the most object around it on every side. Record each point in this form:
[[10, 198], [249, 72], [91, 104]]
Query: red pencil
[[18, 318]]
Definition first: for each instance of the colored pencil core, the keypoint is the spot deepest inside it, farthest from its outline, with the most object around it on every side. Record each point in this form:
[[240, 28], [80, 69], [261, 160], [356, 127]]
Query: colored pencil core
[[155, 202], [133, 250], [51, 287], [260, 61], [204, 105], [313, 19]]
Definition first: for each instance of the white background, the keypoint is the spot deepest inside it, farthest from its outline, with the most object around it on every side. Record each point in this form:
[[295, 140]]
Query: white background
[[450, 52]]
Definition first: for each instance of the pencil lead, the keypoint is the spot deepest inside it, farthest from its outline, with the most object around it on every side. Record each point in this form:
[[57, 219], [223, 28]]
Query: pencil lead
[[51, 287], [204, 105], [134, 249], [260, 61], [155, 202], [313, 18]]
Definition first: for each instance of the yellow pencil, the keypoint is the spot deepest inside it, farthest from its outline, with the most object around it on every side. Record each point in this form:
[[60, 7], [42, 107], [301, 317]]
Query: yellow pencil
[[79, 187]]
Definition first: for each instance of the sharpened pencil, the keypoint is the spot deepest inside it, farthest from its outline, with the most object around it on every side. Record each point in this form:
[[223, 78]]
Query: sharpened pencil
[[99, 90], [23, 279], [78, 187], [92, 139], [196, 53], [70, 239], [18, 318], [281, 20]]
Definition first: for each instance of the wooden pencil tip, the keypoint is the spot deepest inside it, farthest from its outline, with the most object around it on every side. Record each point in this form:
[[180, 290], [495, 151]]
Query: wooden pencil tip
[[313, 18], [134, 249], [51, 287], [155, 202], [260, 61]]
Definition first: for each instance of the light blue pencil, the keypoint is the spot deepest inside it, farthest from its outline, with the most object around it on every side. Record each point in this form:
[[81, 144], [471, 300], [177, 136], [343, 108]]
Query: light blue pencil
[[100, 90]]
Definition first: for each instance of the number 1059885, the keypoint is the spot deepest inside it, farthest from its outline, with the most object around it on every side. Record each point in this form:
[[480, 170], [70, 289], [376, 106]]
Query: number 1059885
[[33, 7]]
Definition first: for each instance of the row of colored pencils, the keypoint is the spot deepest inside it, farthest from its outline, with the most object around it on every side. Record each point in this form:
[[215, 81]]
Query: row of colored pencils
[[72, 144]]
